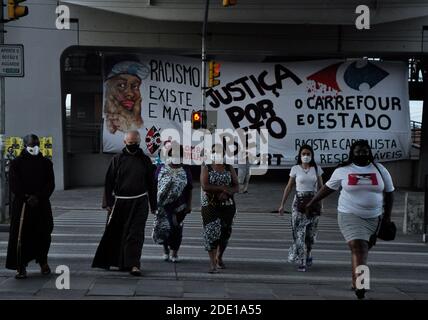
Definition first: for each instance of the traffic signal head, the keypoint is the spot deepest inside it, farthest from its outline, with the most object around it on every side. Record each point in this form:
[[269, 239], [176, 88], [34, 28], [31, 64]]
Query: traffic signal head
[[227, 3], [213, 74], [199, 120], [196, 117], [15, 11]]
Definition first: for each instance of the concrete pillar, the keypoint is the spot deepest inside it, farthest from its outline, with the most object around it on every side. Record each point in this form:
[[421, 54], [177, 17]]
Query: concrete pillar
[[423, 160], [413, 213]]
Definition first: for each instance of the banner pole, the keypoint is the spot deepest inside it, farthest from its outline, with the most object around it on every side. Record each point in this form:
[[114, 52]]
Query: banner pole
[[2, 131], [204, 57]]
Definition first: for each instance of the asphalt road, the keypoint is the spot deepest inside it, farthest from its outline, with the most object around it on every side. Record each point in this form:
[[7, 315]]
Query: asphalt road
[[255, 259]]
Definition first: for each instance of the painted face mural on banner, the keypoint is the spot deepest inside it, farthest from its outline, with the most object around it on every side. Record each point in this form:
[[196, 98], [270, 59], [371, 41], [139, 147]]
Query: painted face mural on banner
[[147, 93], [122, 108]]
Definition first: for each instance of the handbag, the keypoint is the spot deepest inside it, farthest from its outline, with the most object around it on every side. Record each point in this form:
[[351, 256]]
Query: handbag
[[303, 200], [387, 230]]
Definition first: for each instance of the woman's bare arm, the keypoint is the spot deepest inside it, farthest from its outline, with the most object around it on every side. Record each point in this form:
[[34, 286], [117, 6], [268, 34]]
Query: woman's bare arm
[[206, 186], [287, 191], [323, 193]]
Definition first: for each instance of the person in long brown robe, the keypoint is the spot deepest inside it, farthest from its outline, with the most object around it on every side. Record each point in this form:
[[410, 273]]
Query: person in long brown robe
[[129, 188], [32, 182]]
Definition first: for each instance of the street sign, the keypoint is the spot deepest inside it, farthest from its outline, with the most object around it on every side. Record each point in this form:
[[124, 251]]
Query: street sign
[[11, 60]]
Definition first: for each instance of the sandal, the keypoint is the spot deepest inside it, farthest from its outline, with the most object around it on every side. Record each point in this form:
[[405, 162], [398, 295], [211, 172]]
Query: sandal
[[21, 274], [213, 270], [220, 264], [301, 268], [45, 270], [165, 257], [136, 272]]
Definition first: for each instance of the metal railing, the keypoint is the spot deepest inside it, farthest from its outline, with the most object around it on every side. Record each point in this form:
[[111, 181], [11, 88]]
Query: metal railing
[[415, 128], [425, 227]]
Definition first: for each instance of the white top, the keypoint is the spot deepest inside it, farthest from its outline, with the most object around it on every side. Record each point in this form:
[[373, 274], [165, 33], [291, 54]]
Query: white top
[[362, 189], [306, 180]]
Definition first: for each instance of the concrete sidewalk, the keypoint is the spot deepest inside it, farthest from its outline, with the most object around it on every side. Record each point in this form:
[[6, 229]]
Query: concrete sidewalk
[[116, 286]]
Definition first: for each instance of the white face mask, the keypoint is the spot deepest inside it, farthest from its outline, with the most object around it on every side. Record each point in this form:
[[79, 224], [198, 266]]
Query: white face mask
[[306, 159], [34, 151], [217, 159], [172, 160]]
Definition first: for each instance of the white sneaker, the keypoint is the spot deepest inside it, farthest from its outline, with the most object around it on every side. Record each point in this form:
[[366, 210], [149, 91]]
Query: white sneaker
[[165, 257], [174, 259]]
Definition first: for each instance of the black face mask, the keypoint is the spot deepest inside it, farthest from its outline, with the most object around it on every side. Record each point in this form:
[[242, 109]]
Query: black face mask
[[132, 147], [362, 160]]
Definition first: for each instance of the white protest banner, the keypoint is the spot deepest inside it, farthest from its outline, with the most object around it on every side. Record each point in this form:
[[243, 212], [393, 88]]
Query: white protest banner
[[325, 103]]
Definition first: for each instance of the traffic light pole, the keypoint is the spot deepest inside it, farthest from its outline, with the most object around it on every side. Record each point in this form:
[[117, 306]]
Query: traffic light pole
[[204, 55], [2, 132]]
